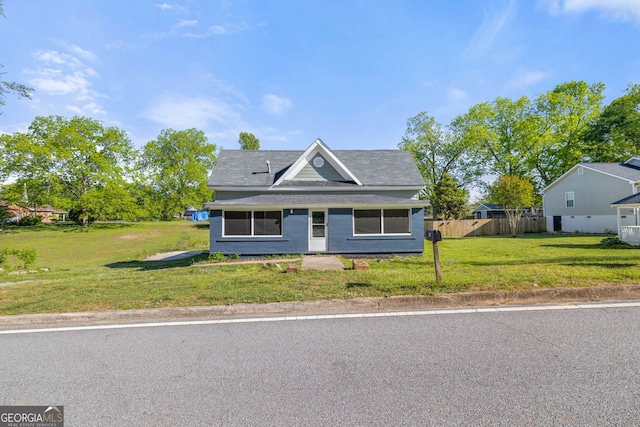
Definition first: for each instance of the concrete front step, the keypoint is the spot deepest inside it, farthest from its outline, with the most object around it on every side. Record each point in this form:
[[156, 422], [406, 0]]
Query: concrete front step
[[321, 262]]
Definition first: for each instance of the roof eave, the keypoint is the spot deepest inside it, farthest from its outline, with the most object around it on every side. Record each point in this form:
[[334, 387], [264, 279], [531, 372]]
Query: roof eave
[[241, 206], [586, 166], [355, 188]]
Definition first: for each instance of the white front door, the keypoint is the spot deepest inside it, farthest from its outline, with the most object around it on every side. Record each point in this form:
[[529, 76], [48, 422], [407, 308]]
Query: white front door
[[317, 231]]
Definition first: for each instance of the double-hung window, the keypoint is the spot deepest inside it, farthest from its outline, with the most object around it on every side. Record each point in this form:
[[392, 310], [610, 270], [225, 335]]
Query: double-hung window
[[381, 221], [569, 199], [253, 223]]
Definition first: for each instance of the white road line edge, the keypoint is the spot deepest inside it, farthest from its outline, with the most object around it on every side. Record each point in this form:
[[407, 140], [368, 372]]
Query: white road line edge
[[321, 317]]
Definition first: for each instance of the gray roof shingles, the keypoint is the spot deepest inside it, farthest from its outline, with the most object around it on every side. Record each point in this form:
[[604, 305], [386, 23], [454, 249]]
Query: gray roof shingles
[[618, 169], [631, 200], [372, 167], [315, 198]]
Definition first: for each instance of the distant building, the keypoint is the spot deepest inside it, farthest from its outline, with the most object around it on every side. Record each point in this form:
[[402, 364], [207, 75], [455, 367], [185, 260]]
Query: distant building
[[47, 213]]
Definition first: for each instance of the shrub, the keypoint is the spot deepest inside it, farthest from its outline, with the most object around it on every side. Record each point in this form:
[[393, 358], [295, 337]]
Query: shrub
[[28, 256], [186, 241], [612, 242], [29, 220], [216, 257]]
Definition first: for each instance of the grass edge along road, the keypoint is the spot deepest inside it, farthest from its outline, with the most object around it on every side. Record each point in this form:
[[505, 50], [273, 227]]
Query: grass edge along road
[[102, 269]]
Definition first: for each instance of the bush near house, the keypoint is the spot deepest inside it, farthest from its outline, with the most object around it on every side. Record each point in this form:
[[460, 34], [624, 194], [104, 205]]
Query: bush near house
[[29, 220]]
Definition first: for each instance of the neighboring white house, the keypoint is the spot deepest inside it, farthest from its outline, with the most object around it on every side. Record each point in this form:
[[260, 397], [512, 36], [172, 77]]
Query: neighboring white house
[[581, 199]]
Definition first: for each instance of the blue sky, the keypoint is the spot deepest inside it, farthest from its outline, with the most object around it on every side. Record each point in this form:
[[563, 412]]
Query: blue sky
[[348, 72]]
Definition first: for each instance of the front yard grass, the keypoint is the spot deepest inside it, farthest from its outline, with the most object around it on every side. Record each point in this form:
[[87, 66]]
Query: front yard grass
[[102, 269]]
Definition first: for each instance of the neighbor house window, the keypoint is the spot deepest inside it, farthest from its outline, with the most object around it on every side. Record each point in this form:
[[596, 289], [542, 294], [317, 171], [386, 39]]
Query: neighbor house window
[[381, 221], [253, 223], [569, 199]]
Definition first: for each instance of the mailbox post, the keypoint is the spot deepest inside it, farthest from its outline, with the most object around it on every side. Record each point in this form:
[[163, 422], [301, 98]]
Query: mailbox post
[[434, 236]]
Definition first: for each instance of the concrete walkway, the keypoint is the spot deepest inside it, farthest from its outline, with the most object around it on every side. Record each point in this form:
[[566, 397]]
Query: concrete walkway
[[172, 256], [321, 262], [309, 262]]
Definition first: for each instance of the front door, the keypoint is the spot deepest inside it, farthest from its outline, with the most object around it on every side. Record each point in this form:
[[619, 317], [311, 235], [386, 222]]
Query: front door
[[317, 231]]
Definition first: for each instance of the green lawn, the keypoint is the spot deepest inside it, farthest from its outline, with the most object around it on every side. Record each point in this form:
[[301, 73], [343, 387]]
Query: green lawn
[[101, 269]]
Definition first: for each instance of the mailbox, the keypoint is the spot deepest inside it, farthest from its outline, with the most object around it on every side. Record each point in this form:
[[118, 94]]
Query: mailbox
[[433, 235]]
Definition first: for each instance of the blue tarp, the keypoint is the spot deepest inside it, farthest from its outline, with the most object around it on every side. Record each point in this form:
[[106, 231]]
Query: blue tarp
[[200, 216]]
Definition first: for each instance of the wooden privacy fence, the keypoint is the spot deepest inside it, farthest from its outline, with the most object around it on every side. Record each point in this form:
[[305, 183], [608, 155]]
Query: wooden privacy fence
[[485, 227]]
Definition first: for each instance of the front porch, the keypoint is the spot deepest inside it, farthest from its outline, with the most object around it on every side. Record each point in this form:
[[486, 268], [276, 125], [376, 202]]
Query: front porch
[[629, 234], [628, 210]]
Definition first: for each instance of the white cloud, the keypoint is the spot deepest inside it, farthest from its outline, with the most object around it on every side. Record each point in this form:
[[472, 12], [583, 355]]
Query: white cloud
[[90, 108], [181, 112], [186, 23], [119, 44], [274, 104], [492, 24], [57, 58], [526, 78], [174, 7], [67, 74], [623, 10], [55, 83], [228, 28], [458, 93], [84, 54]]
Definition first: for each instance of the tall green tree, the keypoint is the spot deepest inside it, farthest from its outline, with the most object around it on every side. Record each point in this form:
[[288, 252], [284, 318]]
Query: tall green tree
[[75, 157], [504, 132], [439, 151], [174, 172], [538, 140], [248, 141], [513, 194], [564, 114], [450, 201], [614, 135]]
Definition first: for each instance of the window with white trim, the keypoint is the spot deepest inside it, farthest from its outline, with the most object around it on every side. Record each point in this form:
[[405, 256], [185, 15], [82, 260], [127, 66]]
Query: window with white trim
[[381, 221], [252, 223], [569, 199]]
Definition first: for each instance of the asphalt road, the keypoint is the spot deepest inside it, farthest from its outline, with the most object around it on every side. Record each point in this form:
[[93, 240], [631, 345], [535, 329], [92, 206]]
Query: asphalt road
[[556, 367]]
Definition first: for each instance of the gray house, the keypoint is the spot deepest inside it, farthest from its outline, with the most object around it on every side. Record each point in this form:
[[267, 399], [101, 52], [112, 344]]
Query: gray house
[[316, 201], [488, 211], [582, 199]]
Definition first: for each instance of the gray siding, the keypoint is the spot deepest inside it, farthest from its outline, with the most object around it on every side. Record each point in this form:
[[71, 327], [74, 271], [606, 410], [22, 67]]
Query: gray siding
[[341, 239], [312, 173], [594, 192]]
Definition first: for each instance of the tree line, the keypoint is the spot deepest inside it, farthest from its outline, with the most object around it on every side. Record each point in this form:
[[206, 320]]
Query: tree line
[[95, 172], [533, 140]]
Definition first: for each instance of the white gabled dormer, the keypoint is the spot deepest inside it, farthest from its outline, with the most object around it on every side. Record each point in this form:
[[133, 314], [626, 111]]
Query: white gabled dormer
[[318, 162]]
